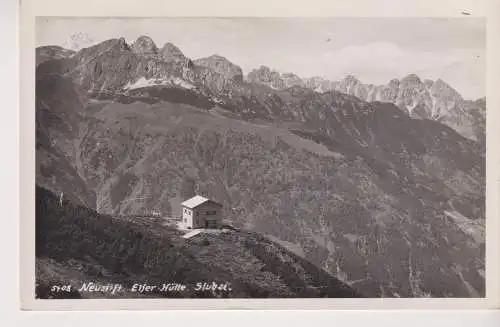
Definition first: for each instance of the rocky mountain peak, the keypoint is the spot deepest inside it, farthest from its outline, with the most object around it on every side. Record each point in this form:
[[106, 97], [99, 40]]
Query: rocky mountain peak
[[291, 79], [421, 99], [267, 76], [122, 43], [144, 45], [352, 86], [262, 74], [263, 68], [350, 79], [170, 52], [428, 82], [411, 80], [222, 66], [394, 82], [443, 89], [441, 84], [112, 44], [320, 84]]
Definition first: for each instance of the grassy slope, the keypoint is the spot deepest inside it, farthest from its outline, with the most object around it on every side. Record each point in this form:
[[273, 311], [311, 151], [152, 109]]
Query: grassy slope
[[75, 245]]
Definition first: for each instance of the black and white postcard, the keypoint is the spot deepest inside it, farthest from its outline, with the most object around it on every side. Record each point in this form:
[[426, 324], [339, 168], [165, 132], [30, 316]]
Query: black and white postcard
[[194, 158]]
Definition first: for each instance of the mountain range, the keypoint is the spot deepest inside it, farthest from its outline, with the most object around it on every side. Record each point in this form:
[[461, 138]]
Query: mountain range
[[381, 186], [428, 99]]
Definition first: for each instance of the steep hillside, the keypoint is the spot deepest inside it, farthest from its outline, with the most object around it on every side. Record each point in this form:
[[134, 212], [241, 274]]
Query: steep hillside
[[75, 245], [59, 106], [390, 204]]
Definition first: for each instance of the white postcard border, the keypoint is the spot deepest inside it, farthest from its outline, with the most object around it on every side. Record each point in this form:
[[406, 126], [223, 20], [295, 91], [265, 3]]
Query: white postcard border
[[29, 9]]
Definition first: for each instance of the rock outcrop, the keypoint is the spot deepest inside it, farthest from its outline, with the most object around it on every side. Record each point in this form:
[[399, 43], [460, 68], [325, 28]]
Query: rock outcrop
[[144, 45]]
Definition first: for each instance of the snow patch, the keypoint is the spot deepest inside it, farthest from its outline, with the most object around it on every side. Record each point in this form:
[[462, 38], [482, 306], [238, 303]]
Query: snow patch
[[412, 106], [171, 81], [217, 100], [319, 89], [434, 109], [143, 82], [182, 83], [369, 97]]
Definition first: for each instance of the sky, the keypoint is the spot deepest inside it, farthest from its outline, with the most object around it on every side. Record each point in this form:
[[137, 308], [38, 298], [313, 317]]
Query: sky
[[375, 50]]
